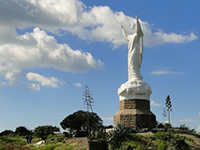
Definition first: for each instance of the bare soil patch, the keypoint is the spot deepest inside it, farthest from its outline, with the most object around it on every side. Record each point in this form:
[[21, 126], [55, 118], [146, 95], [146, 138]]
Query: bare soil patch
[[80, 142]]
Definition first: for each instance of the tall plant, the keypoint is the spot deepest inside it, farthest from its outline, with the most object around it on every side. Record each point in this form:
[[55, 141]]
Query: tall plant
[[164, 114], [168, 106], [88, 101], [116, 136]]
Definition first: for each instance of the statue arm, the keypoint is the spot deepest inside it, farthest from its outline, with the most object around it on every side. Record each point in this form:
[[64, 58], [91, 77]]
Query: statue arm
[[140, 34], [139, 29], [125, 34]]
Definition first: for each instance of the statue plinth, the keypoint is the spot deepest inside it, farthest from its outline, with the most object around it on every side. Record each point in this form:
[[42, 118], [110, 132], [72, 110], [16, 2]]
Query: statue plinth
[[134, 109], [135, 113]]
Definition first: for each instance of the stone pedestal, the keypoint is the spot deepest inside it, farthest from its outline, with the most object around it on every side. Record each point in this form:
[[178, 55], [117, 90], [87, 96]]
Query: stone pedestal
[[135, 113]]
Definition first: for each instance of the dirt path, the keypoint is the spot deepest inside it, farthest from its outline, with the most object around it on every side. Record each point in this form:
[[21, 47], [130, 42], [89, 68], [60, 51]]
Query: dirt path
[[80, 142], [195, 144]]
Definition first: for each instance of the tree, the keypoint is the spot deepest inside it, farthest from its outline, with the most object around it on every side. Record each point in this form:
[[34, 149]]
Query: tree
[[43, 131], [7, 132], [22, 131], [76, 123], [168, 106]]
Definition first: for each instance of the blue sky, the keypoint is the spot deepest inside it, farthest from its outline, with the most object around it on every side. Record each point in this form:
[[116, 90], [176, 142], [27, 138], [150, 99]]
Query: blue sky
[[49, 51]]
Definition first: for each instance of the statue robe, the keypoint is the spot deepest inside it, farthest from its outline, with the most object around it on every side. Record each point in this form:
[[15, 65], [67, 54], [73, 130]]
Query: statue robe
[[134, 57]]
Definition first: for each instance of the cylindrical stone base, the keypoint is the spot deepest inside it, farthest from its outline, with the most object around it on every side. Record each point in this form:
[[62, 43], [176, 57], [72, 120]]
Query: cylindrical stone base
[[135, 113]]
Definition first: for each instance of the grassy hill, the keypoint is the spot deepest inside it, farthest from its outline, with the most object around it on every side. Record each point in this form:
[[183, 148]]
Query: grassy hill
[[174, 139]]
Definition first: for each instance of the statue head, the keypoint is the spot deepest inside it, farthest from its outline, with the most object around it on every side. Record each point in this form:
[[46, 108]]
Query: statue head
[[134, 27]]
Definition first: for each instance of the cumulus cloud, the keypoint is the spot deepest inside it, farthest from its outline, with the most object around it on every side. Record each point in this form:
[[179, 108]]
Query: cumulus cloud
[[75, 17], [154, 104], [38, 49], [166, 72], [43, 81], [14, 77], [77, 84]]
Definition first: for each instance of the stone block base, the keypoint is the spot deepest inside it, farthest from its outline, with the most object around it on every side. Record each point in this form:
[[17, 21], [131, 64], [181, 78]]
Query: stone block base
[[135, 113]]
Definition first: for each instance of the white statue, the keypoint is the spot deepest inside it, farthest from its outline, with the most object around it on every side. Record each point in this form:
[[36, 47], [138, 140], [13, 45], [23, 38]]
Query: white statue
[[135, 50], [135, 87]]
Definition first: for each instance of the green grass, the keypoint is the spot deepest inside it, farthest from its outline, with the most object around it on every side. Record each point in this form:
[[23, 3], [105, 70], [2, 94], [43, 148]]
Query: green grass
[[53, 146], [19, 143], [17, 140], [168, 140], [160, 140], [135, 141]]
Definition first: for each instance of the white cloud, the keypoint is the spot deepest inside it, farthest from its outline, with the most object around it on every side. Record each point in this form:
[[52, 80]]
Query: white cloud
[[176, 38], [13, 77], [37, 49], [44, 81], [34, 86], [77, 18], [154, 104], [166, 72], [77, 84], [107, 118]]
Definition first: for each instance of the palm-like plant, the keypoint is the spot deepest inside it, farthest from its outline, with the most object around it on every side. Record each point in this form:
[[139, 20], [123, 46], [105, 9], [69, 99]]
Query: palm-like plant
[[98, 134], [116, 136]]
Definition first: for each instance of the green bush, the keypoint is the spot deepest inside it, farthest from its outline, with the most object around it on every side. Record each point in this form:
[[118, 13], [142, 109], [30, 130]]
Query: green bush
[[167, 139], [23, 131], [118, 135], [44, 131], [99, 135], [185, 128], [161, 145], [7, 132]]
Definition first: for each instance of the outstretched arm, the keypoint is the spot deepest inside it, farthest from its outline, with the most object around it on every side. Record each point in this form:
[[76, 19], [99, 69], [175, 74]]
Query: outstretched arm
[[125, 34], [140, 34], [139, 29]]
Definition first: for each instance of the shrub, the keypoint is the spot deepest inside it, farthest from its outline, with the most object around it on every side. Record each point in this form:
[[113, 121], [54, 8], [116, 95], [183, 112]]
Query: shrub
[[43, 131], [166, 139], [185, 128], [118, 135], [168, 125], [22, 131], [161, 145], [160, 125], [98, 134], [7, 132]]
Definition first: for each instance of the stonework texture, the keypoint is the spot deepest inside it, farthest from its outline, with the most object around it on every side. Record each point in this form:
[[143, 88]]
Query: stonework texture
[[135, 113]]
